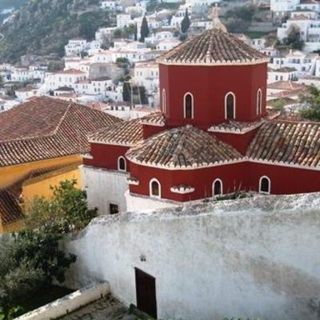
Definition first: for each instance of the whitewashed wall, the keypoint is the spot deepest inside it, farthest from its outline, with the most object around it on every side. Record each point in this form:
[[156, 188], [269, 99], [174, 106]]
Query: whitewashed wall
[[104, 187], [249, 258]]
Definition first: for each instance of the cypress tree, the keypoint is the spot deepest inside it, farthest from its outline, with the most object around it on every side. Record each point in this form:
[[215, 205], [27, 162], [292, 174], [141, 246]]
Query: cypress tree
[[144, 31], [185, 23]]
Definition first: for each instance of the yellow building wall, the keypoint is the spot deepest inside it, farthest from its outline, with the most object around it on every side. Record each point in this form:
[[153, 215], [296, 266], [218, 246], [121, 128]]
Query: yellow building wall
[[12, 227], [40, 186], [11, 174]]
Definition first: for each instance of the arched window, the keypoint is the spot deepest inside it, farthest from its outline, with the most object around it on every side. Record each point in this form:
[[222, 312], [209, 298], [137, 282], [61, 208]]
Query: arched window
[[265, 185], [155, 188], [122, 164], [230, 106], [188, 106], [164, 101], [259, 101], [217, 187]]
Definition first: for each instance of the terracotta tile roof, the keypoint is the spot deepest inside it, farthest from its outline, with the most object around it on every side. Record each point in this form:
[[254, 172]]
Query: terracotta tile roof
[[155, 119], [184, 147], [294, 143], [10, 211], [126, 133], [213, 47], [241, 126], [45, 128]]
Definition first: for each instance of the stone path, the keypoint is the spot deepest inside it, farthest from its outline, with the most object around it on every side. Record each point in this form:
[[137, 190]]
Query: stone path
[[107, 308]]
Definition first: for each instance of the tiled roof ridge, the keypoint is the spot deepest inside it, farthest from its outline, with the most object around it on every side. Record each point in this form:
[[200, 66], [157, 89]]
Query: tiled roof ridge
[[62, 119]]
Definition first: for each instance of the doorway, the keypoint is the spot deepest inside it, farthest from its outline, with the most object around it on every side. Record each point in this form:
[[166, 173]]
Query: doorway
[[146, 293]]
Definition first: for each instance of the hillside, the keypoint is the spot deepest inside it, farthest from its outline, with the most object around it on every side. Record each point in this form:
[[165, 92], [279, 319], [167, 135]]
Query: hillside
[[43, 27], [7, 4]]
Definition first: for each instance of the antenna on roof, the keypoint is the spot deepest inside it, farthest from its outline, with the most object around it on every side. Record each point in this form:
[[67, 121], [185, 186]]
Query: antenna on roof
[[216, 23]]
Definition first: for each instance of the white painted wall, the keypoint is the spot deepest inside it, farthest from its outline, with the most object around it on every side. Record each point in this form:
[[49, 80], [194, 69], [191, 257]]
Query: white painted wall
[[104, 187], [251, 258], [138, 203]]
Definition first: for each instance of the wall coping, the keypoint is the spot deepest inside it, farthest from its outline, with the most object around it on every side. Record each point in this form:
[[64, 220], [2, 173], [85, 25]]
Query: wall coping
[[68, 303]]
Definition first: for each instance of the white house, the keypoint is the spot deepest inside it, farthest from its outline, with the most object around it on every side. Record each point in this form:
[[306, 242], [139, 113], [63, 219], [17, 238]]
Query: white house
[[146, 74], [308, 24], [109, 5], [26, 93], [168, 44], [282, 74], [75, 47], [64, 78], [304, 63], [123, 20], [281, 7]]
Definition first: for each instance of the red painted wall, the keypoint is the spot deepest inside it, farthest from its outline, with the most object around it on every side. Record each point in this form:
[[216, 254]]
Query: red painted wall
[[106, 156], [149, 131], [201, 180], [244, 176], [209, 86], [284, 180], [238, 141]]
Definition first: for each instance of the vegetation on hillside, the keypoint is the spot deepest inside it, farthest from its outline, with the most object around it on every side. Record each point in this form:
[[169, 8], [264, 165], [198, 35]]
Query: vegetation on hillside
[[8, 4], [311, 102], [43, 27]]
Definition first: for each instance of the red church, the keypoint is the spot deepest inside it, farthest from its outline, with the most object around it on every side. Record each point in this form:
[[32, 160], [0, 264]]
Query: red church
[[213, 136]]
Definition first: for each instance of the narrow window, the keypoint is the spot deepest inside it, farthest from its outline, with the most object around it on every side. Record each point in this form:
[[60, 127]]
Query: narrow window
[[113, 208], [155, 188], [164, 101], [265, 185], [122, 164], [188, 106], [217, 188], [230, 106], [259, 101]]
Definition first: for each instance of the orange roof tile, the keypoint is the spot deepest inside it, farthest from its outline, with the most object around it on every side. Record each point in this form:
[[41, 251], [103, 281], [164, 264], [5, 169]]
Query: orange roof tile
[[45, 128]]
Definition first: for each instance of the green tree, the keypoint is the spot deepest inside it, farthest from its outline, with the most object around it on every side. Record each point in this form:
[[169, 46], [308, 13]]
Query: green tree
[[126, 91], [185, 23], [1, 81], [66, 211], [29, 260], [293, 39], [144, 31], [311, 102]]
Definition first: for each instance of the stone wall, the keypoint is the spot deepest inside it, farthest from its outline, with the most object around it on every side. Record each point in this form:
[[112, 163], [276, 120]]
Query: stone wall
[[255, 257]]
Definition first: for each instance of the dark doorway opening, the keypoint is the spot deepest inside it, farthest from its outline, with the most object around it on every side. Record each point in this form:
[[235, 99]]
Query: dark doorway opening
[[146, 293], [114, 208]]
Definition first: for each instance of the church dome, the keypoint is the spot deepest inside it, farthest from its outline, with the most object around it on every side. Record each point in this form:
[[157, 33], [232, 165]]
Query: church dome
[[213, 47]]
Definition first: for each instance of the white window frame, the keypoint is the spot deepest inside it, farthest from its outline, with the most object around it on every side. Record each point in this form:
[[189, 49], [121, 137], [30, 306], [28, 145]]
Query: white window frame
[[184, 105], [213, 184], [259, 101], [150, 188], [164, 100], [226, 105], [125, 164], [260, 183]]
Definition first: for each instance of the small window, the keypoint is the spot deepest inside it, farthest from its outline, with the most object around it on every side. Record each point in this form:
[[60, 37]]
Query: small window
[[259, 101], [188, 106], [217, 188], [265, 185], [155, 188], [164, 101], [122, 166], [230, 106], [113, 208]]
